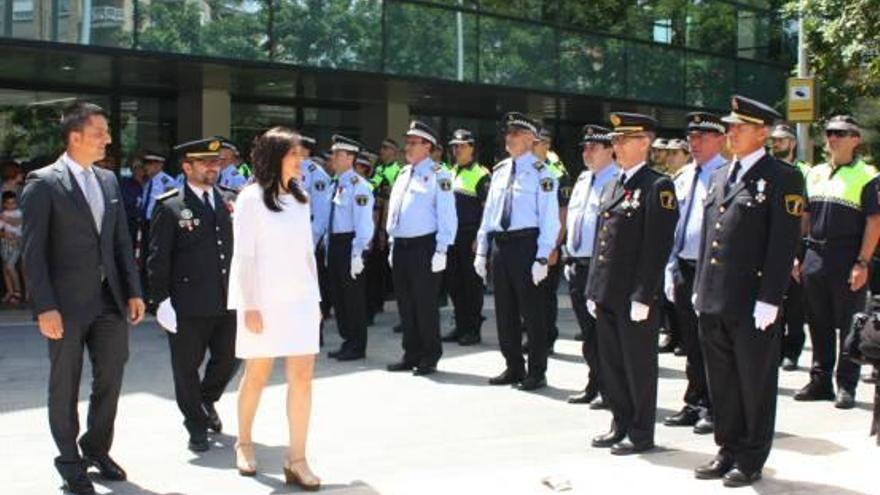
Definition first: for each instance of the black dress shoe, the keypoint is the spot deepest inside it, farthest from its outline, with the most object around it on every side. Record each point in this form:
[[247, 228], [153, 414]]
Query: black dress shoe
[[789, 364], [508, 377], [470, 339], [398, 328], [532, 383], [688, 416], [578, 337], [214, 423], [845, 399], [872, 378], [400, 366], [424, 370], [815, 391], [704, 426], [108, 468], [79, 484], [625, 447], [584, 397], [199, 444], [714, 470], [452, 336], [679, 351], [736, 478], [607, 440], [599, 403], [666, 344], [350, 356], [335, 354]]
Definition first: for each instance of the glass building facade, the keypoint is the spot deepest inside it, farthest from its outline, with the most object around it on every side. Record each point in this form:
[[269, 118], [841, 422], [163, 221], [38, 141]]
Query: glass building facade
[[173, 69]]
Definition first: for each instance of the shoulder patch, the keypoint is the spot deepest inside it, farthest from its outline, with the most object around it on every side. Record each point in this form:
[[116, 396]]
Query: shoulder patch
[[312, 167], [547, 184], [168, 194], [445, 184], [794, 204], [355, 179], [667, 200], [320, 185], [565, 192], [361, 199]]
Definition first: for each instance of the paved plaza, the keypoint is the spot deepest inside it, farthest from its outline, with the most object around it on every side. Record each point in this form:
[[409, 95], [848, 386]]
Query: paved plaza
[[450, 433]]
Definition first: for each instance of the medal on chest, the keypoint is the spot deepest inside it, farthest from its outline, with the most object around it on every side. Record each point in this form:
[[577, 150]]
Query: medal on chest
[[187, 221], [761, 185], [631, 200]]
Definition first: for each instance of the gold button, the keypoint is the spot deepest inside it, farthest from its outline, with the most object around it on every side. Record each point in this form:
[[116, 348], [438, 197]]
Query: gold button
[[722, 209], [602, 243], [219, 243], [604, 228], [601, 257], [760, 273], [222, 256], [717, 225], [607, 214], [713, 261], [714, 244]]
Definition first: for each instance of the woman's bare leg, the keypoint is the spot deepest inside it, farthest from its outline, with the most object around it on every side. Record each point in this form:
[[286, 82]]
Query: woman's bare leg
[[256, 374]]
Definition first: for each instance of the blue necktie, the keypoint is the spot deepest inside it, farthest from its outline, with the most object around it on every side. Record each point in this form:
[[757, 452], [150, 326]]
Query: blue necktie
[[507, 207], [687, 212], [577, 234]]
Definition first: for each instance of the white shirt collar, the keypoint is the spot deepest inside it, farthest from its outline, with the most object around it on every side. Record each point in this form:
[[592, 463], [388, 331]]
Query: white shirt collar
[[77, 168], [199, 192], [631, 172], [748, 161]]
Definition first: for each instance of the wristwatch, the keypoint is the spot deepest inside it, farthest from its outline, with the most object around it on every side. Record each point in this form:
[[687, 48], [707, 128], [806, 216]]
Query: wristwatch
[[862, 262], [542, 261]]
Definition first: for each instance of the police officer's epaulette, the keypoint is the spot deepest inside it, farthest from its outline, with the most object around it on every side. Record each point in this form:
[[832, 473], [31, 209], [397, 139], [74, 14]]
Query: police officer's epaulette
[[165, 179], [168, 194], [437, 167], [228, 189], [539, 165], [355, 179], [312, 167]]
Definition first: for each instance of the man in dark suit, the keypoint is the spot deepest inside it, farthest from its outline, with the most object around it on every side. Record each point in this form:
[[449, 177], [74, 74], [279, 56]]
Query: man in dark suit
[[637, 217], [190, 251], [83, 280], [751, 227]]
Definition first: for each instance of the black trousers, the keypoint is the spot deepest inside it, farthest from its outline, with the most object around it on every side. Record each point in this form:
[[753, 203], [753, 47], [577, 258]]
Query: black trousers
[[377, 281], [550, 286], [832, 305], [697, 392], [577, 287], [106, 337], [417, 288], [348, 295], [323, 281], [517, 300], [743, 368], [794, 316], [465, 286], [196, 335], [629, 369]]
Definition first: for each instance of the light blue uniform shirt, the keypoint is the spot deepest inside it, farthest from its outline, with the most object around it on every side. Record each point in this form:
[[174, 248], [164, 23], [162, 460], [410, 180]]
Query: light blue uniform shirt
[[421, 203], [231, 178], [689, 247], [353, 210], [158, 185], [585, 200], [320, 188], [535, 203]]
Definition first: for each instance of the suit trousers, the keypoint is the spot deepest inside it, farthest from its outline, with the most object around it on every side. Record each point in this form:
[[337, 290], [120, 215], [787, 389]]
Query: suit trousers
[[629, 369], [590, 346], [417, 288], [697, 392], [348, 294], [743, 368], [196, 335], [106, 337], [465, 286], [794, 316]]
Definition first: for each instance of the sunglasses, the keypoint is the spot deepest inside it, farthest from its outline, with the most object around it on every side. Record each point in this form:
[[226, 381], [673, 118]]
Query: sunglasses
[[839, 133]]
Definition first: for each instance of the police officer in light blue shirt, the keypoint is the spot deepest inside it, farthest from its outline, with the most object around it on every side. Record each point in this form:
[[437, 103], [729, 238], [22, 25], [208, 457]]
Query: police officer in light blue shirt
[[230, 177], [159, 183], [421, 225], [583, 211], [706, 139], [318, 184], [521, 222]]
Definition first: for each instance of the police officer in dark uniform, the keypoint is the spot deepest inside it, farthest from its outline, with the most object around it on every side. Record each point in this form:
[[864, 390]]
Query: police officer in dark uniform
[[751, 227], [190, 252], [637, 217], [471, 186]]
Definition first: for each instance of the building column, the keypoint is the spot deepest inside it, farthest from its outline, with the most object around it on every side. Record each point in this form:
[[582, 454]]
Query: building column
[[206, 109]]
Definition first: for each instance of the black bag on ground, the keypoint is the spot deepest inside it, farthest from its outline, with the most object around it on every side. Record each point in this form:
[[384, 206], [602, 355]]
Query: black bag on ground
[[862, 343]]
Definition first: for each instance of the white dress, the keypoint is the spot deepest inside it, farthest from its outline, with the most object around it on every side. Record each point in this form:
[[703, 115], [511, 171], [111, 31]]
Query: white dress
[[273, 270]]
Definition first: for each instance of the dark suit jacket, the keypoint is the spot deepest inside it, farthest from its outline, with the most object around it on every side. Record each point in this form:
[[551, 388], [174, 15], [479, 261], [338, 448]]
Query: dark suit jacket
[[64, 256], [633, 240], [749, 238], [190, 253]]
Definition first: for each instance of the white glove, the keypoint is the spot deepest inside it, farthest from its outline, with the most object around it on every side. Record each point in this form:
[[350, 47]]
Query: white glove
[[391, 256], [765, 315], [438, 262], [357, 265], [539, 272], [638, 311], [568, 271], [480, 266], [669, 288], [591, 307]]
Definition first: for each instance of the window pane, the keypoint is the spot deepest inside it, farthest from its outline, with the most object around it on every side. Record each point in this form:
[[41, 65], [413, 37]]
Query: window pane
[[760, 81], [753, 35], [535, 10], [425, 41], [516, 54], [660, 21], [592, 65], [710, 81], [655, 73], [711, 26], [88, 22]]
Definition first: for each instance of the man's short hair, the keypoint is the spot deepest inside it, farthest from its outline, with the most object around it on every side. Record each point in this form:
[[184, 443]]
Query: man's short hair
[[75, 117]]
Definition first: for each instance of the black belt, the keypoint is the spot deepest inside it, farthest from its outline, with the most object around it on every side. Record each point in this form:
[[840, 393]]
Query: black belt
[[341, 236], [414, 241], [509, 235], [821, 246], [690, 263], [580, 260]]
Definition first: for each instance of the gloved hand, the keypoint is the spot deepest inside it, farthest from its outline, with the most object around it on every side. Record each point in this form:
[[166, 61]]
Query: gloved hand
[[391, 256], [539, 272], [480, 266], [438, 262], [669, 288], [591, 307], [357, 265], [638, 311], [765, 315], [568, 271]]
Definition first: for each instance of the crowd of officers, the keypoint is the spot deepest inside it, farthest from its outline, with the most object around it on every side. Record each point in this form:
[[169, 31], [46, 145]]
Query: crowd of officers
[[726, 247]]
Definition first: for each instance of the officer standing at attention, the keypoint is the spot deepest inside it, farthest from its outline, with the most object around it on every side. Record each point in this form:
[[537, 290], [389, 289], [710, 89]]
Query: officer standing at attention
[[384, 175], [637, 219], [421, 226], [706, 138], [317, 183], [751, 227], [843, 222], [348, 235], [471, 187], [783, 142], [521, 221], [190, 251], [230, 177], [550, 285], [598, 156], [158, 183]]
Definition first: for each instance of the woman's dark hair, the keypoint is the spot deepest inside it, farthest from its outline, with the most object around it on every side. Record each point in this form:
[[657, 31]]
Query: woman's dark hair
[[7, 195], [268, 152]]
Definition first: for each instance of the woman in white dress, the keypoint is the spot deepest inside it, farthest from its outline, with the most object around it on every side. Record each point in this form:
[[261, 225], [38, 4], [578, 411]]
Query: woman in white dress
[[274, 287]]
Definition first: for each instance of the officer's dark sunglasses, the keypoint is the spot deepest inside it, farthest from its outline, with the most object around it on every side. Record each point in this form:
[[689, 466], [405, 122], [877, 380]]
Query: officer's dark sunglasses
[[839, 133]]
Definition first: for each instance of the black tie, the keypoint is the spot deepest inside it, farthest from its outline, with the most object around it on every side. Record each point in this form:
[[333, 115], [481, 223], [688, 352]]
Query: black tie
[[731, 180], [207, 199], [507, 207], [620, 183]]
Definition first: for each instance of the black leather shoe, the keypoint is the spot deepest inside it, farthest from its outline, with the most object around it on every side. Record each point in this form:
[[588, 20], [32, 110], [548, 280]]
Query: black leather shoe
[[452, 336], [789, 364], [508, 377], [214, 423], [398, 328], [815, 391], [666, 344], [872, 378], [704, 426], [424, 370], [599, 403], [688, 416], [350, 356], [578, 337], [714, 470], [625, 447], [400, 366], [469, 339], [198, 444], [585, 397], [679, 351], [532, 383], [79, 484], [335, 354], [736, 478], [108, 468], [607, 440], [845, 399]]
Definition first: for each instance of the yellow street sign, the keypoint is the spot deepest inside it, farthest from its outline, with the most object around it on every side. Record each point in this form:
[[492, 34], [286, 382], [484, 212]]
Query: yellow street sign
[[802, 101]]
